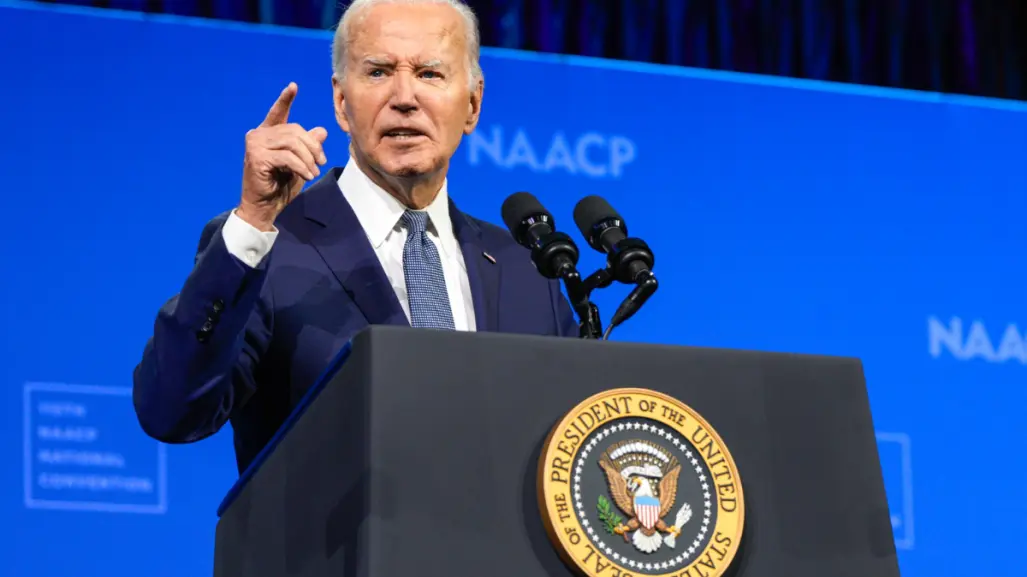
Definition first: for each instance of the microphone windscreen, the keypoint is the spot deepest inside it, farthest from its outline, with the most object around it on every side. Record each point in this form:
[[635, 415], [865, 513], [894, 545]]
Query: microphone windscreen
[[519, 206], [591, 211]]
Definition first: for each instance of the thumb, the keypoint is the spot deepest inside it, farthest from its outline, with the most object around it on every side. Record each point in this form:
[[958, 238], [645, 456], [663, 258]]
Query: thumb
[[279, 113], [319, 134]]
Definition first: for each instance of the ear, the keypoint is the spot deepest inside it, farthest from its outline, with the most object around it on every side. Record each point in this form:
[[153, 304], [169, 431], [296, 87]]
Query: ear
[[339, 100], [474, 106]]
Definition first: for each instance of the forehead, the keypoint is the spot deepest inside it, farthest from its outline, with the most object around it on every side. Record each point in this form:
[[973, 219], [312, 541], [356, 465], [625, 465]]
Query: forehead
[[408, 30]]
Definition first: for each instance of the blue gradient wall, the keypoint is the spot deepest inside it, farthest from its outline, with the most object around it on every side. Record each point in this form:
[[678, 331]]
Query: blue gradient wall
[[785, 216]]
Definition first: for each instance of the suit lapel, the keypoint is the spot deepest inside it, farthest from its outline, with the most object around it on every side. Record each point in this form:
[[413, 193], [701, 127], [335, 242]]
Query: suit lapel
[[483, 271], [340, 240]]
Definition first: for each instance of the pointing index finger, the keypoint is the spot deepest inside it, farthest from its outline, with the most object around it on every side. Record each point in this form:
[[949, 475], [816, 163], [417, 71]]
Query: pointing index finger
[[279, 113]]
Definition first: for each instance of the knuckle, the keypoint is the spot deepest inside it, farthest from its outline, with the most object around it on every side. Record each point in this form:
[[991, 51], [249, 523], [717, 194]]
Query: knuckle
[[256, 136]]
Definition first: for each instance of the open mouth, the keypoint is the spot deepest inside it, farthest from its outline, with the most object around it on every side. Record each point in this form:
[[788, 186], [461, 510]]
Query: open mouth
[[404, 134]]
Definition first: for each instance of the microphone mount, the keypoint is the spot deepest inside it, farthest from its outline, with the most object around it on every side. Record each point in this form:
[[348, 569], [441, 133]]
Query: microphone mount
[[553, 253], [647, 285], [627, 257], [589, 324]]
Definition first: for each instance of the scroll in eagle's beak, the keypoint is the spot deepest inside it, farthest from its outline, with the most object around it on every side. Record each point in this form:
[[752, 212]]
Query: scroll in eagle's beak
[[633, 483]]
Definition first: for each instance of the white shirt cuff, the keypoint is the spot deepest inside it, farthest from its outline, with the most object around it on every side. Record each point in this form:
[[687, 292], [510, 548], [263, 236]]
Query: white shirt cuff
[[245, 242]]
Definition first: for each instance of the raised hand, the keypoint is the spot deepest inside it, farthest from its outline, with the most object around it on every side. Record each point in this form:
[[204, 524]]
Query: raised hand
[[280, 157]]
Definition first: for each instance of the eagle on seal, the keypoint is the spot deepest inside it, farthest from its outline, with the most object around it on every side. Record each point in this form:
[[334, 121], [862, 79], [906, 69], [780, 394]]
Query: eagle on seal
[[643, 481]]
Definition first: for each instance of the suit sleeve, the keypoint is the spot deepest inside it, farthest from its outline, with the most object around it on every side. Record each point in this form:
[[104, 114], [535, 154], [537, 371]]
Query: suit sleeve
[[198, 365]]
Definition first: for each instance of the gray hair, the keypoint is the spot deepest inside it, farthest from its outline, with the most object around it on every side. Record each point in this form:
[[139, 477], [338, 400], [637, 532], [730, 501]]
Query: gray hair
[[342, 32]]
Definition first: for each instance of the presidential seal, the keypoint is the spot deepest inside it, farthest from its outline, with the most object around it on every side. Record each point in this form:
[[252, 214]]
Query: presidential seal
[[633, 482]]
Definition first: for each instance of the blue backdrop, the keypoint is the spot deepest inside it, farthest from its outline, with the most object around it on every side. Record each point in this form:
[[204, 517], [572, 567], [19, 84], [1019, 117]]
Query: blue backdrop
[[786, 216]]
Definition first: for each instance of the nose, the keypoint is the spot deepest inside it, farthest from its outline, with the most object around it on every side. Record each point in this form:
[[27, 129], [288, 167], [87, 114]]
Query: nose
[[404, 94]]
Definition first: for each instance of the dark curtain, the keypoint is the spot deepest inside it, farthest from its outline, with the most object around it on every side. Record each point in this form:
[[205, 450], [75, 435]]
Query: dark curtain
[[972, 47]]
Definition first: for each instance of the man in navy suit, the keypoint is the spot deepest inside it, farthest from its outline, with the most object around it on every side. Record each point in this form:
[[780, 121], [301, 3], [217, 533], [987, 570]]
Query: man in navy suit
[[285, 279]]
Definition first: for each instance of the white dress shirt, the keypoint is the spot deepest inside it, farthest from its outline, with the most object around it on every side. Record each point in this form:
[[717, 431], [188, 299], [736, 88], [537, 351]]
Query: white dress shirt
[[379, 214]]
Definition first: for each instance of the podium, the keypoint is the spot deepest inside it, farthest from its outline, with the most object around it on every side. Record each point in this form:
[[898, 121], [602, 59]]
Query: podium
[[418, 453]]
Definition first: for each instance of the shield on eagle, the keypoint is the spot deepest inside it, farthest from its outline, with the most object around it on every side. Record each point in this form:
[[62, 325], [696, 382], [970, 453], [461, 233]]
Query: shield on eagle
[[647, 509]]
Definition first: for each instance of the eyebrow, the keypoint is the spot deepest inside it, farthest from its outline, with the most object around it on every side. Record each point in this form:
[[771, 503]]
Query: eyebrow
[[388, 63], [383, 62]]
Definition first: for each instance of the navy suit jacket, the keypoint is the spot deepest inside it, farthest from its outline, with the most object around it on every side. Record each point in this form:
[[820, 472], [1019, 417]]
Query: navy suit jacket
[[244, 344]]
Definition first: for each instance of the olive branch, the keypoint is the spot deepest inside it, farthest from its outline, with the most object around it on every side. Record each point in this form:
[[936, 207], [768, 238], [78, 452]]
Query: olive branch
[[610, 519]]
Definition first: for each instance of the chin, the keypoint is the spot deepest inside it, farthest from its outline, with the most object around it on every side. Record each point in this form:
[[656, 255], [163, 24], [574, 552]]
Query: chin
[[409, 165]]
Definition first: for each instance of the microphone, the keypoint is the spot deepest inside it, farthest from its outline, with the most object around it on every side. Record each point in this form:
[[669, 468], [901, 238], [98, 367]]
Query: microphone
[[554, 253], [629, 260]]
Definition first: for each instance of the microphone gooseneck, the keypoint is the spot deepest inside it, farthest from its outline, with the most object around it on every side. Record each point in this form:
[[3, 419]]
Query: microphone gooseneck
[[647, 285]]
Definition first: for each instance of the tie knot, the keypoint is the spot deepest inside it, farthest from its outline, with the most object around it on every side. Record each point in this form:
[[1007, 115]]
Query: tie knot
[[416, 222]]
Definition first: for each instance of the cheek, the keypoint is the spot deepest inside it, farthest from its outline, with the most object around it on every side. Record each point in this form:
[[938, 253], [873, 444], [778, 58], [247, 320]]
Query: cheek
[[363, 115], [453, 121]]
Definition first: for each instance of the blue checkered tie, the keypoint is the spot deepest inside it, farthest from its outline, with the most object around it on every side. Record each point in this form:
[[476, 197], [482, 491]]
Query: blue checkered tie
[[426, 284]]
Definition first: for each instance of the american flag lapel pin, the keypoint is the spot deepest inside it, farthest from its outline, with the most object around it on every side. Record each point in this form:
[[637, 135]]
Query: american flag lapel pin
[[488, 257]]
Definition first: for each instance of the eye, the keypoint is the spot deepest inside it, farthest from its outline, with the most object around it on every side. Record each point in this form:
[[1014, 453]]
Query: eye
[[431, 74], [376, 73]]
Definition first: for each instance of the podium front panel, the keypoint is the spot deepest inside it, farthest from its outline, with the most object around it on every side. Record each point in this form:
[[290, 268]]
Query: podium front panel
[[421, 456]]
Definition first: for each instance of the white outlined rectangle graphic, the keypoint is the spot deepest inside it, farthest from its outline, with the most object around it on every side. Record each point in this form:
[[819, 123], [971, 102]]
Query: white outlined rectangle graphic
[[896, 462], [84, 451]]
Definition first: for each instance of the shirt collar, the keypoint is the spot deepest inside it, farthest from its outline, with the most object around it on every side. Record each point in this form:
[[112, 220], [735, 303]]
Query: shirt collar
[[379, 212]]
